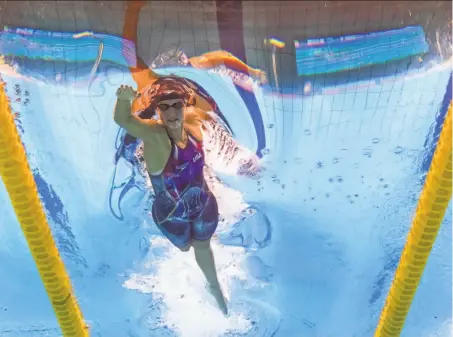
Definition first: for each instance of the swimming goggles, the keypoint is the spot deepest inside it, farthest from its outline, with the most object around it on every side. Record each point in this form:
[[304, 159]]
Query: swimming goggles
[[164, 107]]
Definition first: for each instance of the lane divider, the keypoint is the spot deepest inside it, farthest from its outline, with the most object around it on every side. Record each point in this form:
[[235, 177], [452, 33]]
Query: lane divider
[[430, 212], [18, 179]]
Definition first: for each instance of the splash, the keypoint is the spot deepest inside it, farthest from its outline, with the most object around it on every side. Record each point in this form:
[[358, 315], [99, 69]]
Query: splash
[[225, 155], [180, 297]]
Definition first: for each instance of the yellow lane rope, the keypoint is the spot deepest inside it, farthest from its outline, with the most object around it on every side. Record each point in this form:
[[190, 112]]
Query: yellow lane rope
[[22, 190], [429, 214]]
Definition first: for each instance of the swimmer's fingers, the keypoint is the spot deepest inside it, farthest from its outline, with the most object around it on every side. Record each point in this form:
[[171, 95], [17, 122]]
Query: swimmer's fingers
[[121, 89], [125, 87], [126, 92]]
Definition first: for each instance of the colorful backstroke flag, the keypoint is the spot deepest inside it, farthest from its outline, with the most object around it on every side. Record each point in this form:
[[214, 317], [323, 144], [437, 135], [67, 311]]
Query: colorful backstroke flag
[[333, 54]]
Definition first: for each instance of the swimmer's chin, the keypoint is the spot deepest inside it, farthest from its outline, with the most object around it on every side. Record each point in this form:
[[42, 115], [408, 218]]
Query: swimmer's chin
[[173, 124]]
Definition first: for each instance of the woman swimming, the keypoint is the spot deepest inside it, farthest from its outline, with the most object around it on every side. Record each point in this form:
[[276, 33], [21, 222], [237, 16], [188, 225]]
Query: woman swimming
[[184, 208]]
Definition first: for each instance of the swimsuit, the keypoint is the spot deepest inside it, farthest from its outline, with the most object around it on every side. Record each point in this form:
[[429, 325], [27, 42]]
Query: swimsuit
[[184, 208]]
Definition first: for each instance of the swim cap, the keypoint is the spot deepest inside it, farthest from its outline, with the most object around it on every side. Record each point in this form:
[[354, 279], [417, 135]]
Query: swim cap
[[166, 87], [174, 86]]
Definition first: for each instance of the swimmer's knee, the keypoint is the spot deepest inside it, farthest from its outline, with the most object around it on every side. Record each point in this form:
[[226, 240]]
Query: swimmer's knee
[[201, 244]]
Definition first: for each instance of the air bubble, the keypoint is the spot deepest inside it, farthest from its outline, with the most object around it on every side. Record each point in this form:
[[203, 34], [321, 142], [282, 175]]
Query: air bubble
[[367, 152], [398, 150], [375, 140], [307, 132], [335, 160], [412, 153]]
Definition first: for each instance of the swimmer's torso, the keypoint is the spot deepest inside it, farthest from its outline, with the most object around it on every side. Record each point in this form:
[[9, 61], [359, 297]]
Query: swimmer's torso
[[157, 153], [183, 169], [180, 188]]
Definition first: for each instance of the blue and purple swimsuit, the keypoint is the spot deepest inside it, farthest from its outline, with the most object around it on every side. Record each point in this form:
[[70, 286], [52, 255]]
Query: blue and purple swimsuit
[[184, 207]]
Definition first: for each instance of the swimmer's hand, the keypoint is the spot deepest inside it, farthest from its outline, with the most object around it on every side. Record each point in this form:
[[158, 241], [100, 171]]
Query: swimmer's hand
[[126, 93]]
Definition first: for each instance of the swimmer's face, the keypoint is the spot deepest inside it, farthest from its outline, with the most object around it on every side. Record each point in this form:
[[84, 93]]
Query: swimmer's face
[[171, 112]]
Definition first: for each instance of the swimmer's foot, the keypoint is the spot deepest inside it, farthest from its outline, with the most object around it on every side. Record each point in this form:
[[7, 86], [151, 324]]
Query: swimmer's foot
[[218, 295], [260, 76], [263, 78]]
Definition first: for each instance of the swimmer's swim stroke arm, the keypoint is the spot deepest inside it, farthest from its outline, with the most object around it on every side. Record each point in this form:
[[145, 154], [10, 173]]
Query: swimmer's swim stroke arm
[[140, 72], [146, 130], [220, 57]]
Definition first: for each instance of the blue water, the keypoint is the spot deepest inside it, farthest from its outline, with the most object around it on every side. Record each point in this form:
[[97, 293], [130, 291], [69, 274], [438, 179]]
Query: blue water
[[308, 250]]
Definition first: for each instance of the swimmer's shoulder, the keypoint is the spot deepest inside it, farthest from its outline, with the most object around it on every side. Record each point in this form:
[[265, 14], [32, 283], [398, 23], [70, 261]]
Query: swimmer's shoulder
[[156, 153], [193, 123]]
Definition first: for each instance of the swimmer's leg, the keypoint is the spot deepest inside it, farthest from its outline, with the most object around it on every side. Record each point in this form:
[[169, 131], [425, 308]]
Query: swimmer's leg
[[141, 73], [205, 260], [216, 58], [202, 230]]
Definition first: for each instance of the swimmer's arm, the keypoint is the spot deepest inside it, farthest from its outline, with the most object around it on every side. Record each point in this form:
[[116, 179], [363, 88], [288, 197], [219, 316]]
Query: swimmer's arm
[[216, 58], [147, 130], [141, 73]]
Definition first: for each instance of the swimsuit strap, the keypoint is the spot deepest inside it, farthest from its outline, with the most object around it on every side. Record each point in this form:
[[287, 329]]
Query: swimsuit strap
[[189, 136]]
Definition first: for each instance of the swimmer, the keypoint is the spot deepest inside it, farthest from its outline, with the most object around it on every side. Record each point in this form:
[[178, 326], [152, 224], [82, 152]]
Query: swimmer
[[184, 208]]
